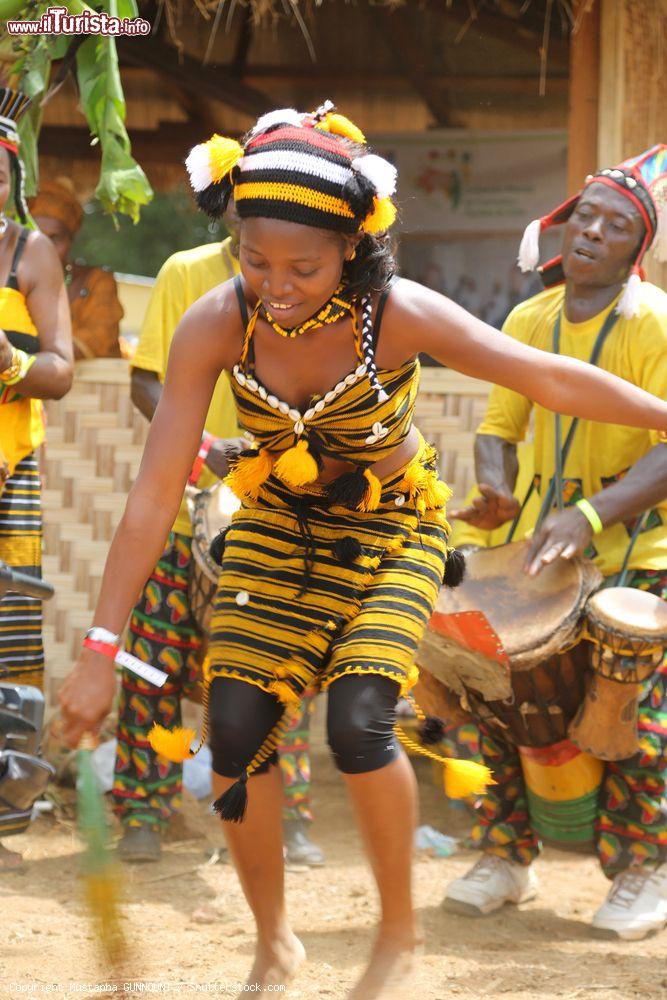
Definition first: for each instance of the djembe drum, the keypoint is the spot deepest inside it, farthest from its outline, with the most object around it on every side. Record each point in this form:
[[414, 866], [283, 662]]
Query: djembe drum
[[210, 512], [628, 630], [519, 667]]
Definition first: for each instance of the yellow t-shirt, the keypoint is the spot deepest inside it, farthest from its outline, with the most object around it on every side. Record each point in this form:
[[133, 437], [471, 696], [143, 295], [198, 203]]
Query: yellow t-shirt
[[636, 350], [466, 534], [185, 277]]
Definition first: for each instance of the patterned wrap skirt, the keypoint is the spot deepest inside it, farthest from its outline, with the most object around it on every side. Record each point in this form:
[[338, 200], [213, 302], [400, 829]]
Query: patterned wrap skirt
[[310, 592]]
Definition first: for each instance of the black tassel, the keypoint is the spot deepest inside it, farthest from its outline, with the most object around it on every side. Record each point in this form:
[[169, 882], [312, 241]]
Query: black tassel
[[431, 730], [455, 568], [359, 192], [348, 490], [217, 546], [232, 804], [213, 199], [347, 550]]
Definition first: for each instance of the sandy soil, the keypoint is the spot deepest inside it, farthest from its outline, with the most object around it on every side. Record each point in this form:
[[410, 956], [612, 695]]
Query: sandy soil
[[541, 950]]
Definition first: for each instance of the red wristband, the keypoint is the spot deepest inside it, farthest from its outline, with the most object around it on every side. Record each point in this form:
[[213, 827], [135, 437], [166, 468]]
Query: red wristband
[[204, 448], [106, 648]]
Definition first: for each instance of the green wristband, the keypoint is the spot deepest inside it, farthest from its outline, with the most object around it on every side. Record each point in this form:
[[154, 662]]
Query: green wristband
[[591, 515]]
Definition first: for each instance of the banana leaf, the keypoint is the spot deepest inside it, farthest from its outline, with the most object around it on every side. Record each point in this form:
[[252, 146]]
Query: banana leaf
[[99, 873]]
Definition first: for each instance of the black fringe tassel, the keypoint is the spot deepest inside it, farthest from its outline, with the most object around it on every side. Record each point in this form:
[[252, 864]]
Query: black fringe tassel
[[347, 550], [232, 804], [455, 568], [348, 490], [217, 546], [431, 731]]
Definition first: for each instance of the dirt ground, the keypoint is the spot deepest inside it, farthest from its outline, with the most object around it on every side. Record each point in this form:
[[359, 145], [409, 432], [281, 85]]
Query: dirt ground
[[541, 950]]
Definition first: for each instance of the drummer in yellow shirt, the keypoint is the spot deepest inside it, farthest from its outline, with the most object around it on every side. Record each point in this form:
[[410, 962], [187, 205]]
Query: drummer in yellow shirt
[[614, 487], [162, 630]]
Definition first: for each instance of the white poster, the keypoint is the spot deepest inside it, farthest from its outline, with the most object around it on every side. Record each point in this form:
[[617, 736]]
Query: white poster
[[464, 199]]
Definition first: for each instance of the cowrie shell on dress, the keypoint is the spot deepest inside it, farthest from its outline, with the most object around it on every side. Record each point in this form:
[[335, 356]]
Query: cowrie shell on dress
[[240, 378], [309, 414], [294, 414], [339, 387], [399, 500], [361, 370], [319, 406], [242, 598], [631, 182], [283, 407], [351, 378], [262, 392], [252, 385], [329, 396], [272, 401], [371, 439], [299, 428]]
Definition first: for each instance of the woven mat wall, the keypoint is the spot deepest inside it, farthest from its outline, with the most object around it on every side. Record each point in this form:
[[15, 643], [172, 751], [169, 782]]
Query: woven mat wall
[[95, 439]]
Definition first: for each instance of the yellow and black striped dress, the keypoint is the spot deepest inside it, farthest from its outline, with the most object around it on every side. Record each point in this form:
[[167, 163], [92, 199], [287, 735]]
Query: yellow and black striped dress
[[21, 432], [313, 586]]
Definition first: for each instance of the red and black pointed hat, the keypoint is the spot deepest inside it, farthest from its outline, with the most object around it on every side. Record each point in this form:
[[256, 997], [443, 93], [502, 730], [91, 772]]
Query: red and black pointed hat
[[643, 180]]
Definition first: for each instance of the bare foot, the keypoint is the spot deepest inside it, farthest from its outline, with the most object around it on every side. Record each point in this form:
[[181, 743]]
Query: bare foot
[[390, 972], [277, 962]]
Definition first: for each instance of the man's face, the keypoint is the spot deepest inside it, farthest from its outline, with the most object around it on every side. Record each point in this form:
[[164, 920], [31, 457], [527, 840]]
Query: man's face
[[601, 238]]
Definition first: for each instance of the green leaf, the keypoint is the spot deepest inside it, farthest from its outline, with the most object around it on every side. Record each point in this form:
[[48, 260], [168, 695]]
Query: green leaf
[[123, 186]]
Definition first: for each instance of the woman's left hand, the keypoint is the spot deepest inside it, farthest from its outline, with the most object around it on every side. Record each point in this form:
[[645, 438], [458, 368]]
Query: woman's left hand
[[563, 535]]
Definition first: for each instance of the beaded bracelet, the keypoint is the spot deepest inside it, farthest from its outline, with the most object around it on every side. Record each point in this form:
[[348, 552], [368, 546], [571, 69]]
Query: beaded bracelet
[[591, 515]]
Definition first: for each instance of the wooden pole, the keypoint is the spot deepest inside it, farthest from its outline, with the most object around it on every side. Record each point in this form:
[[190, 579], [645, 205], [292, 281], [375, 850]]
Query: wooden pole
[[582, 154]]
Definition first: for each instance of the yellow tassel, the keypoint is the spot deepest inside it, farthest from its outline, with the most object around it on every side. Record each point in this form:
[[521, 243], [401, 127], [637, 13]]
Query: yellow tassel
[[465, 777], [436, 493], [173, 744], [420, 504], [371, 497], [381, 218], [248, 475], [284, 693], [296, 466], [223, 155], [414, 480], [340, 125]]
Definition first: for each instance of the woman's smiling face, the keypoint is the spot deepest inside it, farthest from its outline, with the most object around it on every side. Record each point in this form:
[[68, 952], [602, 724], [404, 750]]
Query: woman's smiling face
[[293, 268]]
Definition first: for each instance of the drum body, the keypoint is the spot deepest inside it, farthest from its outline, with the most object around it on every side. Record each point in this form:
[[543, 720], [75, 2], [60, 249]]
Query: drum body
[[562, 786], [628, 632], [211, 511], [520, 667]]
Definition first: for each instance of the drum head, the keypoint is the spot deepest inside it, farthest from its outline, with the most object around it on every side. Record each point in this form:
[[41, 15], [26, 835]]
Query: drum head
[[629, 611], [527, 618]]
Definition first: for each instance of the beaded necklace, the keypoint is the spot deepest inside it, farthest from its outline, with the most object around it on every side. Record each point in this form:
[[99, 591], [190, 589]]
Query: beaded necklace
[[336, 308]]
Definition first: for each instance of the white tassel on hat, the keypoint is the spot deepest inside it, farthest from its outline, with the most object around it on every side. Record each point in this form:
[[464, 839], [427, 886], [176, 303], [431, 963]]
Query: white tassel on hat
[[380, 172], [529, 249], [631, 299], [285, 116], [198, 164]]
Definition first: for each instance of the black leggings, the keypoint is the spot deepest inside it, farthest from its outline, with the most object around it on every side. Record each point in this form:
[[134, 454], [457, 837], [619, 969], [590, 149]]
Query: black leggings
[[361, 715]]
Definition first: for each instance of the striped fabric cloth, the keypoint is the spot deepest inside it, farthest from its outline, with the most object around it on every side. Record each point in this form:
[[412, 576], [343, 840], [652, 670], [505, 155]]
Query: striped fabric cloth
[[361, 615], [21, 651]]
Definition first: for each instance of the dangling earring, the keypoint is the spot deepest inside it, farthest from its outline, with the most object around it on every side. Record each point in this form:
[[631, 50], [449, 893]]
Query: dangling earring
[[3, 223], [352, 256]]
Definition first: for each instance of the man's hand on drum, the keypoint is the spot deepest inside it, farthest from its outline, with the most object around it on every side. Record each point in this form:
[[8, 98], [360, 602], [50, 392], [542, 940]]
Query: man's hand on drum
[[87, 696], [563, 535], [222, 452], [489, 510]]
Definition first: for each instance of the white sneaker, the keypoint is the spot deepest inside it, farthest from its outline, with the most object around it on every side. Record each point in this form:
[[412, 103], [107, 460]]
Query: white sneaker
[[636, 905], [490, 884]]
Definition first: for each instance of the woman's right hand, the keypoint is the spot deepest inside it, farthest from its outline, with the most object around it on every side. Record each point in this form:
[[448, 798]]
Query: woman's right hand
[[489, 510], [87, 696]]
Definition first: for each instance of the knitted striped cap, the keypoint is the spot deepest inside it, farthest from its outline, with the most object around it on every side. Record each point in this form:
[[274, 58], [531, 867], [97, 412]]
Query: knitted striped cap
[[297, 168], [12, 106]]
